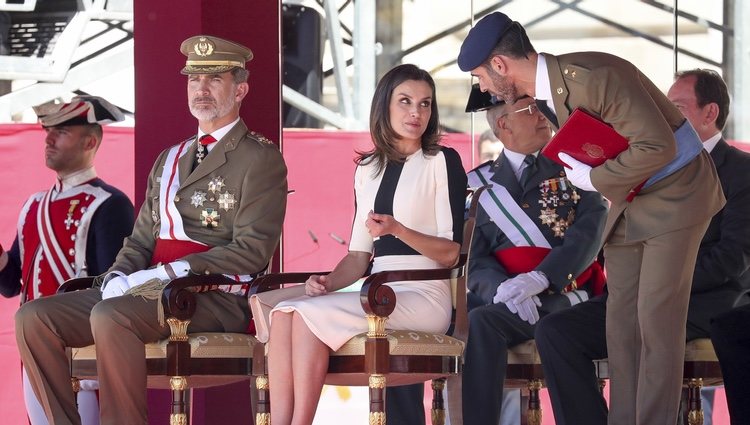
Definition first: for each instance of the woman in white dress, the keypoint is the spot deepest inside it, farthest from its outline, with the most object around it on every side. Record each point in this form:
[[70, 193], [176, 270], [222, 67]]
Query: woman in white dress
[[409, 215]]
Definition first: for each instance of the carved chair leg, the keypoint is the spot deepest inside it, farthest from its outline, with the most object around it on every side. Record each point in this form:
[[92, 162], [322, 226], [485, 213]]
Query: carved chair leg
[[438, 405], [76, 384], [263, 412], [377, 399], [695, 410], [178, 385], [534, 414]]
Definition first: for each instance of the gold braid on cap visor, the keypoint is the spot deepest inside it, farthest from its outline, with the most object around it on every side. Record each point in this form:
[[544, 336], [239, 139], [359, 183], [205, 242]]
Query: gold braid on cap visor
[[215, 63]]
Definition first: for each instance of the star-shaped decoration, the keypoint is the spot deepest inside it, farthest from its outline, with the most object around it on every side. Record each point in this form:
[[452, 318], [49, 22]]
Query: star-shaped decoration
[[226, 201], [198, 199], [575, 196], [216, 184], [559, 228], [210, 218], [548, 216]]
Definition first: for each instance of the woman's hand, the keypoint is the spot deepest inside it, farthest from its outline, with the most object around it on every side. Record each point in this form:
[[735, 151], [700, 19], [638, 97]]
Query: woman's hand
[[316, 285], [382, 224]]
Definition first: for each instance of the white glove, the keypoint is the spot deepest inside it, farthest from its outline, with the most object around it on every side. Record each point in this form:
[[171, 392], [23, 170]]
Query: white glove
[[120, 284], [519, 288], [115, 287], [579, 174], [527, 309]]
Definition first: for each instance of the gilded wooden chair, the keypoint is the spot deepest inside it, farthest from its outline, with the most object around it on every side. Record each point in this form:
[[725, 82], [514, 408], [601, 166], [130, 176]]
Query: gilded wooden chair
[[701, 368], [383, 357], [183, 360], [524, 371]]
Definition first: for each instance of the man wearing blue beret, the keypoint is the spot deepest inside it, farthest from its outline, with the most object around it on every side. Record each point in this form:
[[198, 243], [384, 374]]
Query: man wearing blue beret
[[651, 237]]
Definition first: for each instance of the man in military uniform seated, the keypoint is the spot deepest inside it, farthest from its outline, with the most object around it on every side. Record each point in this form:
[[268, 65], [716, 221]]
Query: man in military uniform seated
[[73, 229], [568, 341], [533, 252], [215, 203]]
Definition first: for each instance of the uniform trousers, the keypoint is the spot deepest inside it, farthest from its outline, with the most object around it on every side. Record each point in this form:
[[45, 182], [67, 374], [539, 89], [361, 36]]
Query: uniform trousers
[[730, 335], [120, 327], [568, 342], [492, 330], [649, 285]]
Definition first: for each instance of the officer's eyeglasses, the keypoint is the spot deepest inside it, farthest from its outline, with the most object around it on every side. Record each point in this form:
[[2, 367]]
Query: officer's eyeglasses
[[531, 110]]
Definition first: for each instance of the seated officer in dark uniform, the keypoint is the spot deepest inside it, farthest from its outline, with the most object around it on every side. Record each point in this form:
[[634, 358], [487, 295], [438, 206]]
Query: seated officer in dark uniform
[[533, 252]]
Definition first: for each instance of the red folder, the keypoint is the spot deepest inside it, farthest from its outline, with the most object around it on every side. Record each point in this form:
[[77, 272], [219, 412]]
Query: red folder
[[589, 140], [585, 138]]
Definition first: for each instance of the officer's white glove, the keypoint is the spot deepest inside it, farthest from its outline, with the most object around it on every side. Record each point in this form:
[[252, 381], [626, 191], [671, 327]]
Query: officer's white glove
[[120, 284], [527, 309], [115, 287], [579, 174], [519, 288]]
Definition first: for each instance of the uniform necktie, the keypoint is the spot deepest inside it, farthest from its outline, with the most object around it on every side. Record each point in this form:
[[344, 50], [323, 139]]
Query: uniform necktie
[[202, 151], [547, 112], [528, 171]]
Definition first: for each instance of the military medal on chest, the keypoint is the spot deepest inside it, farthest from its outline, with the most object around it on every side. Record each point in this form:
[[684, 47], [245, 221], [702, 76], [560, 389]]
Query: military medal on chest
[[226, 201], [69, 219], [216, 184], [555, 193], [215, 192], [210, 218], [198, 199]]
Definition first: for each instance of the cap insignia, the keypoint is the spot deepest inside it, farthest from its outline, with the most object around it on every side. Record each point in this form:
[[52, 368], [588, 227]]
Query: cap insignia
[[204, 47]]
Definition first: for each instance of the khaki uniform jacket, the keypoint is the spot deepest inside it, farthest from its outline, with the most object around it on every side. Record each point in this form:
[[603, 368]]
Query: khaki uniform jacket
[[617, 92], [247, 235]]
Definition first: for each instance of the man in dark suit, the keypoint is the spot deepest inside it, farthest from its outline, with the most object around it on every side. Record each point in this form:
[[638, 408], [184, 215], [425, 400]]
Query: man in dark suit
[[215, 203], [569, 340], [533, 229], [652, 235]]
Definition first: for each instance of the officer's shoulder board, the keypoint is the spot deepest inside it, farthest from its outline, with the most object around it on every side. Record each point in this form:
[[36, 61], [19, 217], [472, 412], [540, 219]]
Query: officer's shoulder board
[[259, 138], [482, 167]]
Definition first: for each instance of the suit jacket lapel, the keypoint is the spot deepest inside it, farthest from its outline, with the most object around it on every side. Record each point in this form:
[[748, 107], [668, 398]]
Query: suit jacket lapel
[[502, 174], [558, 87], [719, 153], [218, 156]]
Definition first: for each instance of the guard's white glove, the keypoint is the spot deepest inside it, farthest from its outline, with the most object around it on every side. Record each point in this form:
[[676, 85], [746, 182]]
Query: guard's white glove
[[120, 284], [519, 288], [579, 174], [527, 309]]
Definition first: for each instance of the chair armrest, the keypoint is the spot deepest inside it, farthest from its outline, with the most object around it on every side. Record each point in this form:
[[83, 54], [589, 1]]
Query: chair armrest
[[76, 284], [378, 299], [178, 298], [272, 281]]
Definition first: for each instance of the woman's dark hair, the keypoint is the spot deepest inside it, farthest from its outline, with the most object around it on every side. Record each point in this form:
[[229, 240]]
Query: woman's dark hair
[[382, 133]]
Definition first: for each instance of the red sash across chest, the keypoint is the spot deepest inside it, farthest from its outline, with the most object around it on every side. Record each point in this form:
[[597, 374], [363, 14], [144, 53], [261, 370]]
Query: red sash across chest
[[524, 259]]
